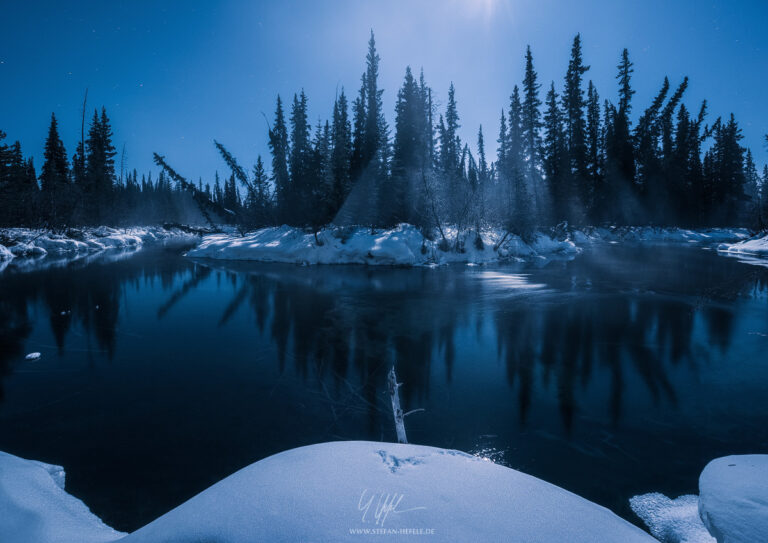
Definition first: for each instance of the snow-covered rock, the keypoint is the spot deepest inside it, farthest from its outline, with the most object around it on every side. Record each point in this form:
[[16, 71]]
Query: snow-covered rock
[[671, 521], [403, 245], [733, 498], [34, 508], [341, 491], [754, 246]]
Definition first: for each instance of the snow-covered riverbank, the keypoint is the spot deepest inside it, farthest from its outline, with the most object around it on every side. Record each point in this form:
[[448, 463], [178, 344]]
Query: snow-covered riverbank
[[406, 246], [29, 243], [341, 491], [757, 246]]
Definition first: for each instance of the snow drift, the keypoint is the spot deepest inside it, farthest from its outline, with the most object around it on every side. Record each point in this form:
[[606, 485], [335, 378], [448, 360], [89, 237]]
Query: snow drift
[[342, 491], [732, 506], [733, 499], [34, 508]]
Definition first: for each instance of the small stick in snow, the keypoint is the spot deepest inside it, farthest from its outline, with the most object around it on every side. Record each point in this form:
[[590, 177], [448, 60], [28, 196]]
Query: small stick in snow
[[396, 410]]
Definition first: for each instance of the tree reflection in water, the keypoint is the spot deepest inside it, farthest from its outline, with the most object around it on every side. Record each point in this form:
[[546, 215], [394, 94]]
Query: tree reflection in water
[[563, 368]]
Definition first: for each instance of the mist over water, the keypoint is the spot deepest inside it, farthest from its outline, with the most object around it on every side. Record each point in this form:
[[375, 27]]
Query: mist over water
[[619, 372]]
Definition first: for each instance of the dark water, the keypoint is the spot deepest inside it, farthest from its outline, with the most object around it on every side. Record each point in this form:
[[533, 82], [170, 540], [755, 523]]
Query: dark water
[[619, 372]]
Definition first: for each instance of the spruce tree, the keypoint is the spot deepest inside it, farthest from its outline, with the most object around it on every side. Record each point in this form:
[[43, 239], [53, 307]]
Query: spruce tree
[[619, 148], [575, 126], [752, 192], [258, 201], [595, 191], [518, 212], [407, 151], [501, 156], [99, 170], [358, 132], [531, 126], [482, 163], [555, 157], [341, 154], [54, 179], [299, 162], [279, 148]]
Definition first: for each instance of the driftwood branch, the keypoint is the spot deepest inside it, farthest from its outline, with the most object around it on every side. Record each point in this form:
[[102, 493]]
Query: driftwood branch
[[396, 409]]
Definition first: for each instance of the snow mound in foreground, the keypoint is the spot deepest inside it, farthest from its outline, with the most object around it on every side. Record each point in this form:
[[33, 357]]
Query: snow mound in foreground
[[337, 491], [341, 491], [733, 499], [671, 521], [403, 245], [754, 246], [34, 508]]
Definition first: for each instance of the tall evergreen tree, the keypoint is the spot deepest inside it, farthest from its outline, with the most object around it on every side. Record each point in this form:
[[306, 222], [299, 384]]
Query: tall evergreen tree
[[99, 170], [555, 157], [531, 118], [518, 212], [409, 152], [595, 190], [280, 149], [619, 148], [375, 135], [259, 201], [54, 178], [341, 155], [503, 145], [575, 126], [300, 161], [482, 162]]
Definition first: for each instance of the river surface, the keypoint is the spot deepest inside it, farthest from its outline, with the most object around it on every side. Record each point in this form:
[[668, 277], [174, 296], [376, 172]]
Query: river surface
[[621, 371]]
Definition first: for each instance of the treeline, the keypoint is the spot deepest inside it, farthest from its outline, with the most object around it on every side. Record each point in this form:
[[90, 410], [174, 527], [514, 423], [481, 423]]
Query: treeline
[[85, 190], [561, 155]]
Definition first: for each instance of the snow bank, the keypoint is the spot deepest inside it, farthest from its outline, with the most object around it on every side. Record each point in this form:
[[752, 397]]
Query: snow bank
[[403, 246], [754, 246], [338, 491], [26, 243], [656, 234], [34, 508], [342, 491], [672, 521], [733, 499]]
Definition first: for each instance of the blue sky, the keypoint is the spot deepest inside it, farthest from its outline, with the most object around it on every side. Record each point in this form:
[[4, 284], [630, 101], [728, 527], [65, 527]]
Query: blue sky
[[175, 75]]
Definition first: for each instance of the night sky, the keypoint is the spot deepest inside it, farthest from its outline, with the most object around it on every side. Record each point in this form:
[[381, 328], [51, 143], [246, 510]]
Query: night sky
[[175, 75]]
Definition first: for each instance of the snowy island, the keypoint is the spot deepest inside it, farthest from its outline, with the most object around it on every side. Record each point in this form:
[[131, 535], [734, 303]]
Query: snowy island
[[405, 245]]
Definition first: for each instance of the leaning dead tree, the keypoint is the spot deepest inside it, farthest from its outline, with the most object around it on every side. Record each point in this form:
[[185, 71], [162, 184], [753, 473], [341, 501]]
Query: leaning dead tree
[[204, 204], [397, 411]]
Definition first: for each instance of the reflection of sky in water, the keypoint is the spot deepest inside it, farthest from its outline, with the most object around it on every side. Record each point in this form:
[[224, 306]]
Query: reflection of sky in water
[[509, 281]]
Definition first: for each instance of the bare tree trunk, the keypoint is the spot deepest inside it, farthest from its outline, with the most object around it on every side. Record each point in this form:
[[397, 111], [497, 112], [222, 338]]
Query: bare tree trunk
[[500, 243], [396, 410]]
